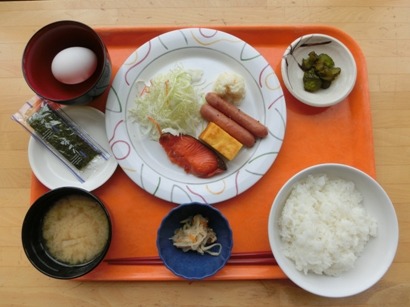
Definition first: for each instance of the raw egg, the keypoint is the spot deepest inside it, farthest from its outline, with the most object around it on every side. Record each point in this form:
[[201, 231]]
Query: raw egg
[[74, 65]]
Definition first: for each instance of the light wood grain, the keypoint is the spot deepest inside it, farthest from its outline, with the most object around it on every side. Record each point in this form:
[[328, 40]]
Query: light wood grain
[[381, 28]]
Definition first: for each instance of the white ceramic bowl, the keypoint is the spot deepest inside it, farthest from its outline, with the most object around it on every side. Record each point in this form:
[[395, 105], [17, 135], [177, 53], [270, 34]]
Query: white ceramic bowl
[[292, 74], [378, 254]]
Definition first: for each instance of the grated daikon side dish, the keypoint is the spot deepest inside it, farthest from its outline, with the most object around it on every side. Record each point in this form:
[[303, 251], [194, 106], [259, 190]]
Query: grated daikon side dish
[[195, 235]]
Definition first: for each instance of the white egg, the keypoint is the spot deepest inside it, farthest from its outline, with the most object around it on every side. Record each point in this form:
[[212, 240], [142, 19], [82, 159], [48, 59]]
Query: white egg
[[74, 65]]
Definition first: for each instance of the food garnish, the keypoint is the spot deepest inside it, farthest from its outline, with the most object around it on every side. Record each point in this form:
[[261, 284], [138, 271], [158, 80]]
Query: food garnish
[[230, 86], [195, 235], [171, 98], [319, 71]]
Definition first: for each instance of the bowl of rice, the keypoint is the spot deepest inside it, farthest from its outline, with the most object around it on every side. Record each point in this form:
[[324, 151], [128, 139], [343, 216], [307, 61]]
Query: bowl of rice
[[333, 230], [66, 233]]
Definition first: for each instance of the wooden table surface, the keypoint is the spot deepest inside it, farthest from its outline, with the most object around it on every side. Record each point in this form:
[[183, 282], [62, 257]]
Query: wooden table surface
[[382, 29]]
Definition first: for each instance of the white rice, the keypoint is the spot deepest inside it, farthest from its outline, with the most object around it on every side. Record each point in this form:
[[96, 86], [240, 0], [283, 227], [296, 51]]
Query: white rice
[[324, 225]]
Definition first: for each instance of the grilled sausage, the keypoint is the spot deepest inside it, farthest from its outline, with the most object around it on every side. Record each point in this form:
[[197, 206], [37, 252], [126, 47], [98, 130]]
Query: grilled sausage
[[236, 131], [241, 118]]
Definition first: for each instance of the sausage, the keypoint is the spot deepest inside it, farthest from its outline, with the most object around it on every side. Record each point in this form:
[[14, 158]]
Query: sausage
[[231, 111], [236, 131]]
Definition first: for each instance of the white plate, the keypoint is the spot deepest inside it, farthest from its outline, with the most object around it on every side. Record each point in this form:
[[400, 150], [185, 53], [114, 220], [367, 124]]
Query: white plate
[[213, 52], [53, 173]]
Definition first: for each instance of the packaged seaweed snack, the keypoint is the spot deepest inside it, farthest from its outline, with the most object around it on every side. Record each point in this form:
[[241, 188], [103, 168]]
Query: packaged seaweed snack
[[47, 122]]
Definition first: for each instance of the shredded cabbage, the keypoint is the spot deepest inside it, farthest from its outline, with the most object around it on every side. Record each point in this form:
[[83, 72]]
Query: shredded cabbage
[[171, 100]]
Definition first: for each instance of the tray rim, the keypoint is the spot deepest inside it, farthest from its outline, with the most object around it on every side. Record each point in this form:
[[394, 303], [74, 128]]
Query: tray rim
[[273, 272]]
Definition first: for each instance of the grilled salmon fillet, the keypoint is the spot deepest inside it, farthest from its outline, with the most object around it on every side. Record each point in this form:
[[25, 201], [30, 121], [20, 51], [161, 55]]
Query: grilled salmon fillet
[[193, 156]]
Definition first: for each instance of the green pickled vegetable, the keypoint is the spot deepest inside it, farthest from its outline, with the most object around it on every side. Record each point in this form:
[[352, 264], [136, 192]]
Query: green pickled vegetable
[[319, 71], [329, 74], [60, 135], [311, 81], [310, 61], [325, 84], [323, 61]]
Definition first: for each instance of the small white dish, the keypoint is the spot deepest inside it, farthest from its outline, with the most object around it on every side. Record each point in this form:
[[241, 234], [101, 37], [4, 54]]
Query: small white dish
[[53, 174], [292, 74], [378, 254]]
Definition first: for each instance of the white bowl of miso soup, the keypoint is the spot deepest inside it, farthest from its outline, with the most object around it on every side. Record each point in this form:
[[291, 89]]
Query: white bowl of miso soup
[[66, 232]]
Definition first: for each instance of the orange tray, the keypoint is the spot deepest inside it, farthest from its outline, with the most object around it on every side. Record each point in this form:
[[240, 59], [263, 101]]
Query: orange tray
[[341, 134]]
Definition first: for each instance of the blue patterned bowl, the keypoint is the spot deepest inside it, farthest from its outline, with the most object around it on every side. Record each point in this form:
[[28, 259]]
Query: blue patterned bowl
[[193, 265]]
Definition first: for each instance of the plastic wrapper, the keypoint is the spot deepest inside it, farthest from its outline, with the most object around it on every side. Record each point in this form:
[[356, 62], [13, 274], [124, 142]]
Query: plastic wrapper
[[47, 122]]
